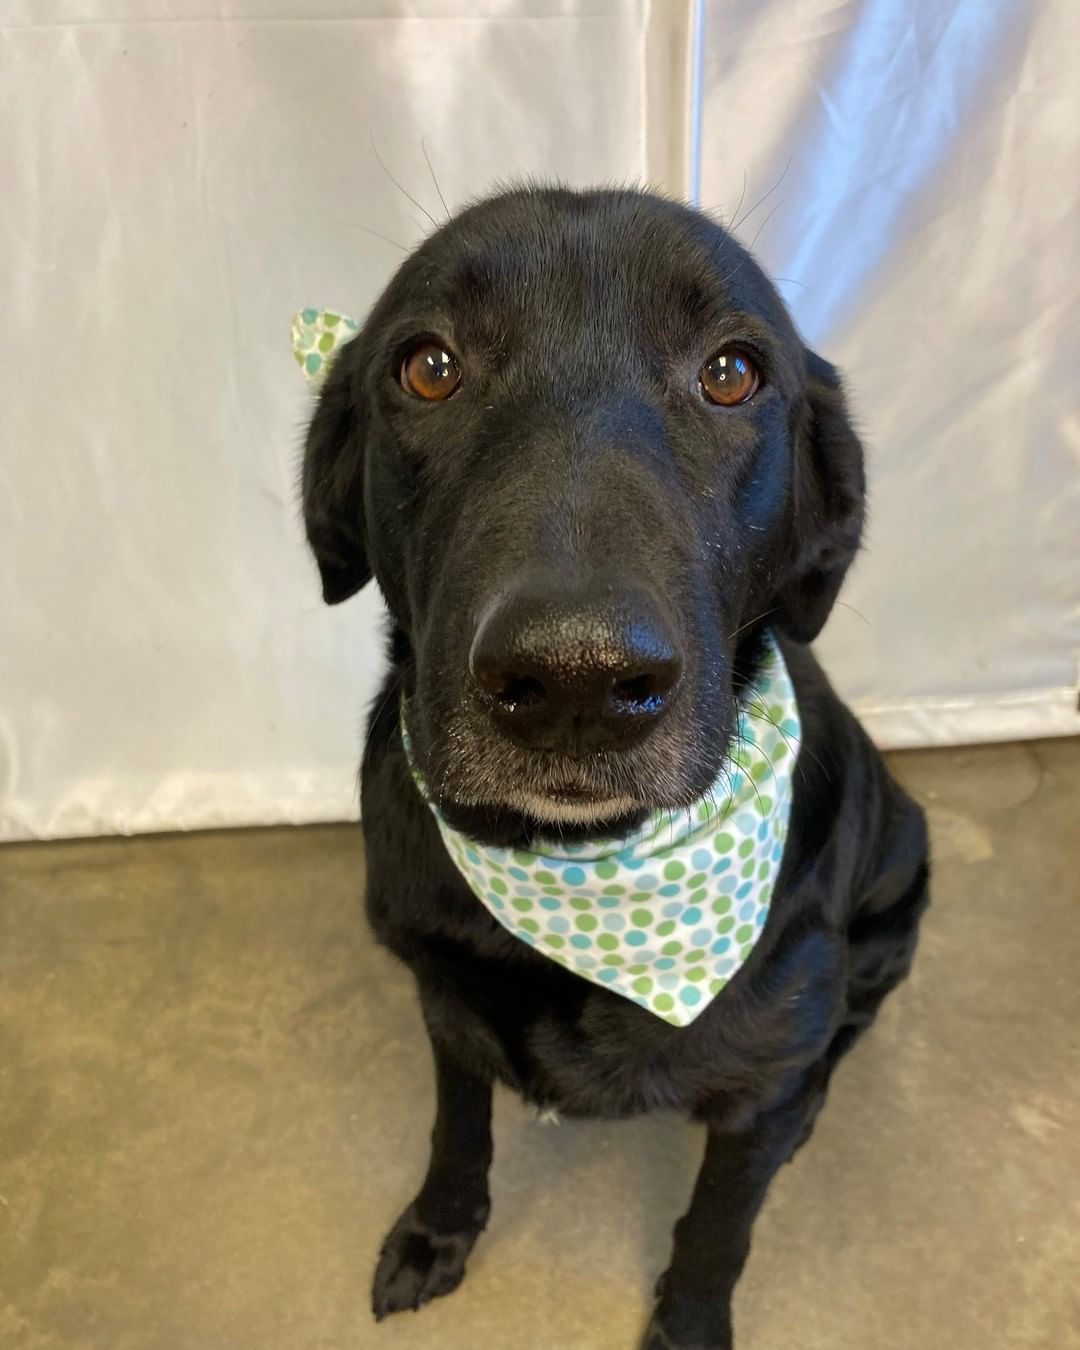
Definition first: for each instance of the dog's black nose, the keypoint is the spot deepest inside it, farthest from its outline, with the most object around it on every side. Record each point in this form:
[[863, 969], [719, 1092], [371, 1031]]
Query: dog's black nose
[[576, 672]]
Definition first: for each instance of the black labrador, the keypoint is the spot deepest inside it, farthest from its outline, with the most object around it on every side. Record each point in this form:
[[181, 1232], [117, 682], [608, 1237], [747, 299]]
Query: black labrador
[[582, 450]]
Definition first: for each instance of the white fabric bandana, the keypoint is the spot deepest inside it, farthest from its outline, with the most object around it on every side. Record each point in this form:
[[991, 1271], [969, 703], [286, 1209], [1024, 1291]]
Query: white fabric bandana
[[317, 334], [667, 915]]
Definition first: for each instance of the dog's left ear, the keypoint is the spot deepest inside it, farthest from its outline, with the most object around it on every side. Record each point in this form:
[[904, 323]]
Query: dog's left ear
[[829, 492]]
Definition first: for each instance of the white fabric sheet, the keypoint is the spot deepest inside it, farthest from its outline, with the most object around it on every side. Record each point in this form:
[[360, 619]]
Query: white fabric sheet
[[917, 169], [179, 177]]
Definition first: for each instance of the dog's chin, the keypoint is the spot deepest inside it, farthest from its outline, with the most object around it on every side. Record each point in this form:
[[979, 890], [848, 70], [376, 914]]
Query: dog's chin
[[522, 819]]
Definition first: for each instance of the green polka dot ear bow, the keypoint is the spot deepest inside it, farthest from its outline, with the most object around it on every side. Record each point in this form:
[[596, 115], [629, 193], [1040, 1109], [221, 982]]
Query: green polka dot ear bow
[[666, 916], [316, 336]]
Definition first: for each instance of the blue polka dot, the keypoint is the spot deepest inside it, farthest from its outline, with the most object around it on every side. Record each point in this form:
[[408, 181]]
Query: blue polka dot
[[574, 876], [701, 937], [495, 900], [580, 940], [728, 884], [720, 946], [725, 965], [691, 915], [559, 925], [518, 873], [614, 923], [746, 822], [672, 911], [721, 866], [690, 995], [744, 890], [585, 962], [701, 858], [607, 901], [778, 852], [669, 979], [665, 963], [672, 888], [763, 831], [524, 936], [635, 939], [628, 860], [608, 974], [473, 856], [646, 881], [748, 910], [550, 902]]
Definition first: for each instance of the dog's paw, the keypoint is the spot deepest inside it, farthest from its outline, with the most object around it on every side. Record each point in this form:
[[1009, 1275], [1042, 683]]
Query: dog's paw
[[687, 1328], [416, 1264]]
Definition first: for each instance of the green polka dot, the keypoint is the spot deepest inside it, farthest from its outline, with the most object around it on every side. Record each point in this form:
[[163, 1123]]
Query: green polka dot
[[723, 842], [585, 922], [613, 890], [744, 934], [530, 925], [725, 925], [607, 941], [663, 1002], [554, 940], [697, 897], [763, 871], [520, 903], [698, 879], [606, 869], [499, 886], [546, 878], [614, 960], [326, 342], [663, 929], [638, 969], [696, 955], [746, 848], [674, 870], [641, 918], [331, 320], [747, 868], [671, 949], [642, 985], [579, 902], [766, 806], [721, 904], [696, 973], [523, 859]]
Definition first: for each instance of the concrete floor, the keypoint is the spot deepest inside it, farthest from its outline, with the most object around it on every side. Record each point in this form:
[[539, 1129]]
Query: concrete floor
[[214, 1099]]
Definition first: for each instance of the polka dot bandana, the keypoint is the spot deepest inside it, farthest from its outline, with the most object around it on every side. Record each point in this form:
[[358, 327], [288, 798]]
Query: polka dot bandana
[[667, 915], [316, 336]]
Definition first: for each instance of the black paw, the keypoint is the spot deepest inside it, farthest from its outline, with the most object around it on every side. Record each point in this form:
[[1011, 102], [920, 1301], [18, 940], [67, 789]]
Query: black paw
[[689, 1328], [417, 1265]]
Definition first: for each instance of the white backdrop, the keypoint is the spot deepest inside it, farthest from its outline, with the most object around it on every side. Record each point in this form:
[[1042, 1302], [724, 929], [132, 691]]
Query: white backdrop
[[180, 177]]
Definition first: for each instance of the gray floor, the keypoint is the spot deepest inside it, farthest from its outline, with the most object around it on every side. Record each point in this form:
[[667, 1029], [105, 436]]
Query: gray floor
[[207, 1122]]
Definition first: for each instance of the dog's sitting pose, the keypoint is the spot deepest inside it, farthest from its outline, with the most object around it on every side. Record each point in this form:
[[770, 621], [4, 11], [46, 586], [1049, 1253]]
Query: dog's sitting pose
[[634, 850]]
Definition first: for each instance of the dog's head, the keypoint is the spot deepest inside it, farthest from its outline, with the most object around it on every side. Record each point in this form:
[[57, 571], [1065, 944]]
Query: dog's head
[[582, 449]]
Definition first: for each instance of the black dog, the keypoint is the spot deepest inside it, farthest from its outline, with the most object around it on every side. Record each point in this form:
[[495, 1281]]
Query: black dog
[[582, 450]]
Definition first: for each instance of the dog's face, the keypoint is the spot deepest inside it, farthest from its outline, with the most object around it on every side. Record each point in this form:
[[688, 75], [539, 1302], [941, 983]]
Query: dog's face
[[583, 451]]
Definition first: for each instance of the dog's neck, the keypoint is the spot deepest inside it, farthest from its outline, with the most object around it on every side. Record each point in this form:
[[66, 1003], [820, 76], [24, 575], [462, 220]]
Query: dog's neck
[[666, 913]]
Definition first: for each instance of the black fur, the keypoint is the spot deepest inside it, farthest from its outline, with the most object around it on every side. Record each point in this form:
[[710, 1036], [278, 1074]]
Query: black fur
[[578, 446]]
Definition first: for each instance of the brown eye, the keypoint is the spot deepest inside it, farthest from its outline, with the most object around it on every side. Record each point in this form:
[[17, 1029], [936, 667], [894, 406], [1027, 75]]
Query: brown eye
[[729, 378], [429, 372]]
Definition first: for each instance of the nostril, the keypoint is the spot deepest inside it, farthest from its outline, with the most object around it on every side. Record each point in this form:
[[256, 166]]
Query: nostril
[[522, 691], [639, 694]]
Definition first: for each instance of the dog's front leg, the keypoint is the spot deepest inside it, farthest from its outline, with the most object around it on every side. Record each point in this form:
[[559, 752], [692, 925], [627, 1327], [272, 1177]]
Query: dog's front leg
[[424, 1254], [712, 1239]]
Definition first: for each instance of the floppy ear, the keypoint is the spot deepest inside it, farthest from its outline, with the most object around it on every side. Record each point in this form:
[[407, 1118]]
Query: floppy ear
[[332, 485], [829, 495]]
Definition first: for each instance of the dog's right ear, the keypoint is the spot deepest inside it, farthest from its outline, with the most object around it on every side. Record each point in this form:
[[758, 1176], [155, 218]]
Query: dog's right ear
[[332, 483]]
